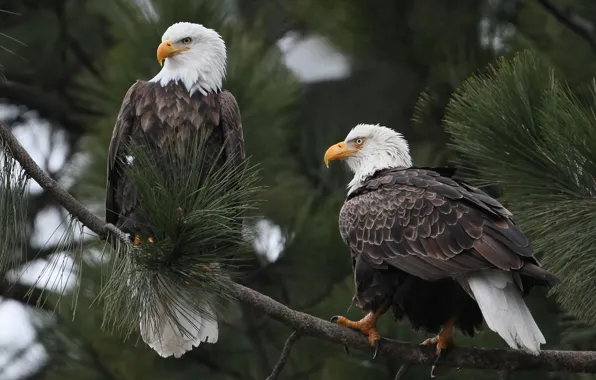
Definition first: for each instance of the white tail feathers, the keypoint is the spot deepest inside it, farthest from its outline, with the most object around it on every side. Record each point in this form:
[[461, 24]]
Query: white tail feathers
[[169, 337], [505, 311]]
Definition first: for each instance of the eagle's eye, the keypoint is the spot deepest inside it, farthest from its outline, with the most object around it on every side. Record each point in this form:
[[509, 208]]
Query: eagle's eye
[[359, 141], [186, 40]]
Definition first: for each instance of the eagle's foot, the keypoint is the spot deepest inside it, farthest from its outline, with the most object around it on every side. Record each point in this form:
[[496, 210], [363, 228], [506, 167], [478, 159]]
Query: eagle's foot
[[205, 267], [367, 326], [443, 342], [137, 240]]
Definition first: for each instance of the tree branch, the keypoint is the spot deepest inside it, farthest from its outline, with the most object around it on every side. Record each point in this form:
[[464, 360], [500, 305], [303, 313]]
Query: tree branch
[[482, 358], [305, 324], [67, 201], [403, 370], [283, 358], [95, 358], [582, 27]]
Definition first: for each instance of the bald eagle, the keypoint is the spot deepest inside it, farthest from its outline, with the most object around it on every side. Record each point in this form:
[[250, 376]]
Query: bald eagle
[[184, 101], [439, 252]]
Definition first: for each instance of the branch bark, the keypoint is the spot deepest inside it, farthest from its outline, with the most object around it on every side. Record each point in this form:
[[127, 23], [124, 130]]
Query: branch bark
[[480, 358], [305, 324]]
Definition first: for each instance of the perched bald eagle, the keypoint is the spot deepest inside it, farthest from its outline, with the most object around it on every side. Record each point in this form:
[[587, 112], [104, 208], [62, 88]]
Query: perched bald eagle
[[184, 101], [436, 250]]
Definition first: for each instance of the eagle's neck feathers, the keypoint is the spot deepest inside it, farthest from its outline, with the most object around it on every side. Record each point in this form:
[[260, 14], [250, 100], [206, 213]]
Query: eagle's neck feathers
[[385, 149], [202, 72], [364, 169]]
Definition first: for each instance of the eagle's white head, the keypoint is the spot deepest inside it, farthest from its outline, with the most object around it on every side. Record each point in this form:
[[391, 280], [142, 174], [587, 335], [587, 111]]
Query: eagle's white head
[[193, 55], [369, 148]]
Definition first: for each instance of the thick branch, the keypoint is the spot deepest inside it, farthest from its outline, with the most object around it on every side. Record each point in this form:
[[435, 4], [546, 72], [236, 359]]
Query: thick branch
[[485, 358], [579, 25], [305, 324]]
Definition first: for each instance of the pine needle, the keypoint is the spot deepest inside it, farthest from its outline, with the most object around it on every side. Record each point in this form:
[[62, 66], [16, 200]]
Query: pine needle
[[63, 265], [14, 195], [9, 12], [520, 128], [13, 39], [194, 213]]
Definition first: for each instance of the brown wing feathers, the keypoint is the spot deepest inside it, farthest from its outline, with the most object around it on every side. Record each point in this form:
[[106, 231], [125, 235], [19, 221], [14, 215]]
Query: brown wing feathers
[[162, 114], [232, 126], [121, 132], [431, 226]]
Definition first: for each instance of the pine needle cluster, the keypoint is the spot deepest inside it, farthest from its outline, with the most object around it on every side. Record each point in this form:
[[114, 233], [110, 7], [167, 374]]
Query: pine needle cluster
[[192, 240], [520, 128], [14, 195]]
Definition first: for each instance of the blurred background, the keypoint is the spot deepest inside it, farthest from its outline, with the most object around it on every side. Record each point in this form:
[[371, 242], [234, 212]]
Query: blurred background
[[304, 73]]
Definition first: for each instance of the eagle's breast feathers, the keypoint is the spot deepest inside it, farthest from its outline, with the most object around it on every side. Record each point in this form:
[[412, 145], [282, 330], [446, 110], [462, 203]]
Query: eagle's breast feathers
[[168, 117]]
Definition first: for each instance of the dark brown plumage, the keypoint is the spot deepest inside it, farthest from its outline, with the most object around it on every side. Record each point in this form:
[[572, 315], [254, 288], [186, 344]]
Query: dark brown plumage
[[413, 232], [166, 117]]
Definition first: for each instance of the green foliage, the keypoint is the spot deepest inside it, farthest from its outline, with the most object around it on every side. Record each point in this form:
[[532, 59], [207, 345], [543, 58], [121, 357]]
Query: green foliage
[[396, 50], [525, 131], [196, 232], [53, 279]]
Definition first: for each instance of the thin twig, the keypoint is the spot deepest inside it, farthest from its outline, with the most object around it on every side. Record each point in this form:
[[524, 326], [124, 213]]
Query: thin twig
[[482, 358], [285, 354], [584, 28], [403, 370]]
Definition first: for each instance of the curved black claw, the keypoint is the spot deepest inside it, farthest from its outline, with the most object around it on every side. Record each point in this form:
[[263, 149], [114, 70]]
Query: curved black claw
[[441, 354], [377, 345], [334, 320]]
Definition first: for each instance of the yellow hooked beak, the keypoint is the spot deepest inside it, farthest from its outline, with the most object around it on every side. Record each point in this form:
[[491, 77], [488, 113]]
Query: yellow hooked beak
[[168, 49], [337, 152]]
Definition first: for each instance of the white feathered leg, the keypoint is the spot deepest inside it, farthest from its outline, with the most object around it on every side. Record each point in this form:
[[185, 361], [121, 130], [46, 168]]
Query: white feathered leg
[[504, 309]]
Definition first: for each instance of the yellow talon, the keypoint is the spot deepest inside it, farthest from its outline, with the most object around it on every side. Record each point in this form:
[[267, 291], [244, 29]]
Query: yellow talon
[[150, 239], [443, 341], [367, 325], [137, 240]]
